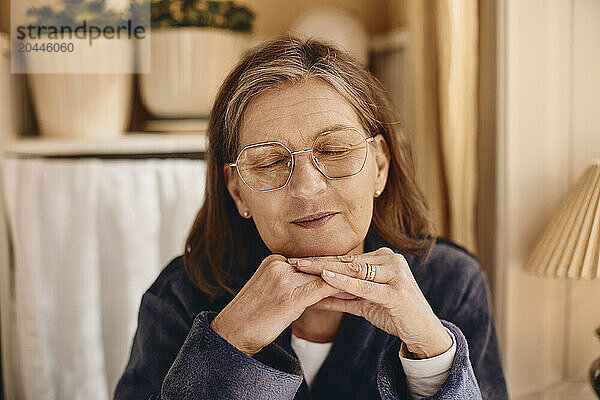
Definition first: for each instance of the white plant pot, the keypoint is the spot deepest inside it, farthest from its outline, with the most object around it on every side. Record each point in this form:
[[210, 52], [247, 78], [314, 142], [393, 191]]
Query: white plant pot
[[86, 104], [187, 67]]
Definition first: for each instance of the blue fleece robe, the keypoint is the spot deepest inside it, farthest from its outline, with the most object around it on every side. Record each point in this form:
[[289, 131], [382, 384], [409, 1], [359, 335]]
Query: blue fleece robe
[[176, 355]]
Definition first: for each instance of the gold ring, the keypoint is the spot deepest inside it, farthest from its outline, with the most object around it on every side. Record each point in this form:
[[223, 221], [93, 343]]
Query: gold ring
[[370, 275]]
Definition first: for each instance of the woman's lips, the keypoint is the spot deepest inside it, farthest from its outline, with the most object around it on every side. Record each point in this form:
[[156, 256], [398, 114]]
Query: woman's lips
[[315, 221]]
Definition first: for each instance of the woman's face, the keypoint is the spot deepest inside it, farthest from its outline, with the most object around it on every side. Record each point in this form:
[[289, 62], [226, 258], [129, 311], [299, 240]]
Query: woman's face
[[287, 219]]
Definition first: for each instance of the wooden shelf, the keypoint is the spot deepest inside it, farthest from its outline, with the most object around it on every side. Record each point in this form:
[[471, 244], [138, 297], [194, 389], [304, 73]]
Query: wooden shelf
[[134, 143]]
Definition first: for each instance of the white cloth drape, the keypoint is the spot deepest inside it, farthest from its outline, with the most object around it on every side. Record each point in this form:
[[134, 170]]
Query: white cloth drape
[[89, 236]]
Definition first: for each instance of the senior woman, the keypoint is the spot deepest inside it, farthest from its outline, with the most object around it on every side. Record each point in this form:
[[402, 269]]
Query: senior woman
[[313, 269]]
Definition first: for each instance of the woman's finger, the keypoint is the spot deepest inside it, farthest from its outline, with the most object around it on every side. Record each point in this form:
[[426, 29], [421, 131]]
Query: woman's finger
[[373, 291], [333, 304], [304, 278], [344, 296], [356, 269], [313, 291], [380, 251], [348, 258]]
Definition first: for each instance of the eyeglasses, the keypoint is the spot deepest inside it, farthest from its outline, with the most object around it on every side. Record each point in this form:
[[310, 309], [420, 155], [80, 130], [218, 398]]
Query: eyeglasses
[[337, 154]]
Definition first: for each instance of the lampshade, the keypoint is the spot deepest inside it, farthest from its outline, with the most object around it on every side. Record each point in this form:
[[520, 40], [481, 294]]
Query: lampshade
[[570, 245]]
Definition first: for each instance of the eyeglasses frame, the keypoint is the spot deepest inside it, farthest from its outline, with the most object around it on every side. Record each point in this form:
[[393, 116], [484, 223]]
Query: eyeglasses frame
[[293, 154]]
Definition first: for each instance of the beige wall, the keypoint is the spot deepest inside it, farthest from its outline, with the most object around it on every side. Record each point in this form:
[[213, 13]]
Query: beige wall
[[274, 17], [549, 130], [4, 15], [398, 12], [584, 296]]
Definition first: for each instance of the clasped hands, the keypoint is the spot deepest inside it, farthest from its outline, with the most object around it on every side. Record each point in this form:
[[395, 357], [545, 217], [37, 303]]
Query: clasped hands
[[393, 301]]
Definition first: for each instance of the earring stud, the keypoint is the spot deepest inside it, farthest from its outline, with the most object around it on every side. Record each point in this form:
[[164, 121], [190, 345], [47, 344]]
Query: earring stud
[[246, 214], [377, 193]]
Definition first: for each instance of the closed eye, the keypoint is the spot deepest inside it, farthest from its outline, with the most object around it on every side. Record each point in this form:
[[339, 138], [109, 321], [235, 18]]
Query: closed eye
[[333, 151], [271, 165]]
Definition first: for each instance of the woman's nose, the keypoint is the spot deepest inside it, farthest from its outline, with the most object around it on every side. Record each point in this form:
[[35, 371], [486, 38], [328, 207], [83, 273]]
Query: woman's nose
[[306, 180]]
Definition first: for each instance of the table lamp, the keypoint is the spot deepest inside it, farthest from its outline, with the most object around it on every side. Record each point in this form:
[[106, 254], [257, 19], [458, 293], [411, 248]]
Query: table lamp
[[570, 245]]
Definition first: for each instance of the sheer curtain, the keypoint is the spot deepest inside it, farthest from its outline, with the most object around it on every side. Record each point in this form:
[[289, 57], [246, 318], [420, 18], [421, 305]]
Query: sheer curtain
[[88, 237], [444, 50]]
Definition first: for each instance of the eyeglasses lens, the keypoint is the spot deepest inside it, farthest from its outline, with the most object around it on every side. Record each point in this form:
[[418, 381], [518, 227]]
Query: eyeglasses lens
[[340, 153], [337, 154]]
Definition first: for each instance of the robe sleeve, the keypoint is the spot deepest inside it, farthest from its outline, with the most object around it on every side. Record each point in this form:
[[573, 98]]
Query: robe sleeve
[[476, 371], [172, 360], [425, 376]]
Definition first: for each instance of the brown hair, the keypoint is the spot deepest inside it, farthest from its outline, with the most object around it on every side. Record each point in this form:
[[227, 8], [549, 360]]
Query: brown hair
[[222, 247]]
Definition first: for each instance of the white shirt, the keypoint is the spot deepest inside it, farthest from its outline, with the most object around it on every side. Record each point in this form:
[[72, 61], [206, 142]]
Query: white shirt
[[423, 377], [311, 356]]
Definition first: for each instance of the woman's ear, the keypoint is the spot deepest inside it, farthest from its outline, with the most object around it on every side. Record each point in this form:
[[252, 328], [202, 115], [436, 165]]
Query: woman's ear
[[232, 182], [382, 160]]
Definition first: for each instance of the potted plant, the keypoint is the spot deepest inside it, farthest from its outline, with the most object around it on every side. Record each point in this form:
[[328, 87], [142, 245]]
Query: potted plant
[[194, 43], [76, 93]]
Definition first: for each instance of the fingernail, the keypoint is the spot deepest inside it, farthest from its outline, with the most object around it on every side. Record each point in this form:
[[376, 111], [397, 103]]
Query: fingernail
[[346, 258], [299, 262], [328, 273]]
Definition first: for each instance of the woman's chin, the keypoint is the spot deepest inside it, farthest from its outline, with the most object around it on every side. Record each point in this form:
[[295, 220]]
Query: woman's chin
[[317, 249]]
